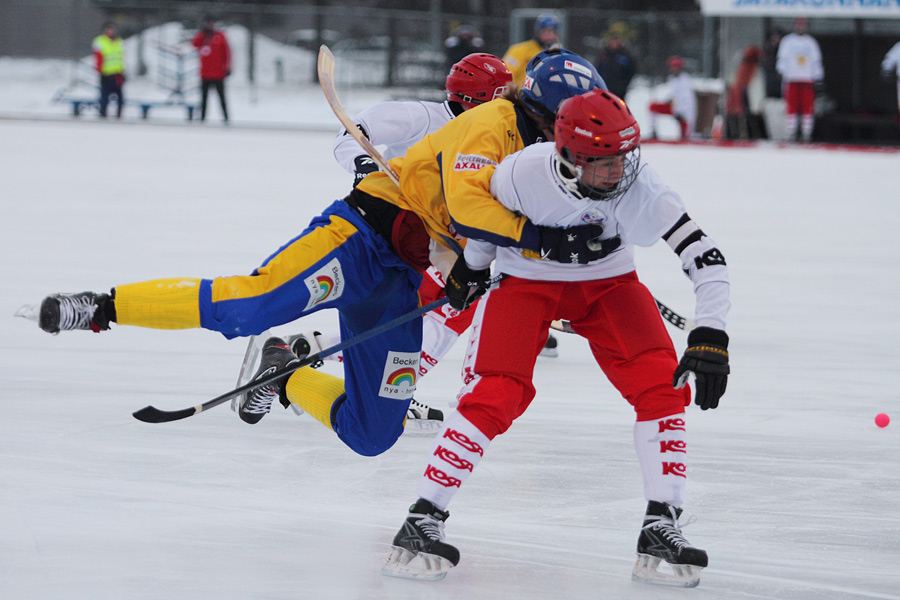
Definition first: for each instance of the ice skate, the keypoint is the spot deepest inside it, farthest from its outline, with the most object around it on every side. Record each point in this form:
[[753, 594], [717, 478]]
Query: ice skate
[[275, 356], [661, 541], [66, 312], [419, 550], [551, 347], [423, 420]]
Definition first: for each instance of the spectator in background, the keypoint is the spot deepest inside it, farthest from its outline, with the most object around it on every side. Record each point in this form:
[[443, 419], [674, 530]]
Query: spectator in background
[[464, 41], [546, 36], [767, 62], [681, 102], [799, 61], [890, 67], [744, 97], [111, 66], [614, 63], [215, 63]]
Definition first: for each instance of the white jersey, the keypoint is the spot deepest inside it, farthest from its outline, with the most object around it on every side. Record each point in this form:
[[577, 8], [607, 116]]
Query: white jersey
[[799, 58], [891, 62], [528, 182], [393, 127], [684, 99]]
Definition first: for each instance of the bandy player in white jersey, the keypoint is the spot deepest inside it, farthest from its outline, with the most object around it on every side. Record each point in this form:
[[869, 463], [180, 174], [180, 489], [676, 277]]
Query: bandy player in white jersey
[[591, 174]]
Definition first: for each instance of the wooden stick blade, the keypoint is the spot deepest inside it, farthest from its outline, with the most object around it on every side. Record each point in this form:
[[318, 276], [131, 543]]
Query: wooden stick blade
[[325, 66]]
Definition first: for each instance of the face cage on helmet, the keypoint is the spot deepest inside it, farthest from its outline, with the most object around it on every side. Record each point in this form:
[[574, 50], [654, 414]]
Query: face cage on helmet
[[576, 165], [460, 97]]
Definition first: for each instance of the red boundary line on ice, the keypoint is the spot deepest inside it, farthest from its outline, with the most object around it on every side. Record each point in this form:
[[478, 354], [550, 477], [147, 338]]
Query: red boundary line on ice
[[779, 145]]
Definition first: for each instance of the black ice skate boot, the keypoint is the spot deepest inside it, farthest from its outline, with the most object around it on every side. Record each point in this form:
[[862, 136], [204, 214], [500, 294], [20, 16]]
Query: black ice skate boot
[[421, 419], [67, 312], [276, 355], [661, 540], [419, 550]]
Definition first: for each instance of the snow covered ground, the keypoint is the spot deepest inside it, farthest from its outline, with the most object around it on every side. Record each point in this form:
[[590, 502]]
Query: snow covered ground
[[796, 492]]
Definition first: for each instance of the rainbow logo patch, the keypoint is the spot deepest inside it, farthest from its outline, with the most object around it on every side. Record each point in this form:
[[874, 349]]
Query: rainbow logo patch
[[398, 380], [325, 284], [401, 377]]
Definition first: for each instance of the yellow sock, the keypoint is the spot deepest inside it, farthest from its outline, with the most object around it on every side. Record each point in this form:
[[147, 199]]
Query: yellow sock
[[315, 392], [160, 303]]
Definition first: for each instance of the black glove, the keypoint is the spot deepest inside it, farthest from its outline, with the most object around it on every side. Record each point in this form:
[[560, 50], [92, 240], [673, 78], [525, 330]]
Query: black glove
[[363, 165], [580, 244], [707, 358], [464, 286]]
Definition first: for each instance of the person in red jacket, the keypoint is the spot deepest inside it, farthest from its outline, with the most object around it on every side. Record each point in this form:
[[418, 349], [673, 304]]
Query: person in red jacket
[[215, 63]]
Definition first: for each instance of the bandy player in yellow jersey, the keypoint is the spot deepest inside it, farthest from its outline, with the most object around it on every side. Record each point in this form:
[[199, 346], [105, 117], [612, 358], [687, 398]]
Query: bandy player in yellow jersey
[[364, 256]]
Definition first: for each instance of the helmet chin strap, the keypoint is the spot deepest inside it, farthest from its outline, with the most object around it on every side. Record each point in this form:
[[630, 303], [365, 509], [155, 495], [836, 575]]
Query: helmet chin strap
[[568, 173]]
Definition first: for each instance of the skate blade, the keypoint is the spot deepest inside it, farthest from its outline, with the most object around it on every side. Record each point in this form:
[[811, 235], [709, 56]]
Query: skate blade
[[549, 353], [646, 570], [250, 364], [426, 567], [32, 312], [422, 427]]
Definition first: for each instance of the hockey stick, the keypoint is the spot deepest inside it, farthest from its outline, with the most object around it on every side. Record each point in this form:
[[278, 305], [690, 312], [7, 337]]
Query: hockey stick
[[326, 80], [667, 313], [151, 414]]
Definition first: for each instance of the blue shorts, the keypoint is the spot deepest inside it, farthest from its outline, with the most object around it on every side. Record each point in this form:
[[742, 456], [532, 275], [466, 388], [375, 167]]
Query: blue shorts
[[337, 262]]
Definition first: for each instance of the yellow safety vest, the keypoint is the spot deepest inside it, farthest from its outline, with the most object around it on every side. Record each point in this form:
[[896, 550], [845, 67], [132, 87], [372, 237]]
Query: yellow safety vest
[[111, 51]]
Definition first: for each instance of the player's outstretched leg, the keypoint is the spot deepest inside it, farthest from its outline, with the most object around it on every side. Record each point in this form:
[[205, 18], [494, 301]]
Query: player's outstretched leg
[[661, 540], [419, 550], [66, 312], [255, 404]]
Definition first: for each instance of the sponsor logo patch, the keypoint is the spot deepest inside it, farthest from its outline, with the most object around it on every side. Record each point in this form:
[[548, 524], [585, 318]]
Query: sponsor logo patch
[[583, 132], [574, 66], [471, 162], [594, 216], [529, 81], [399, 379], [326, 284], [671, 425]]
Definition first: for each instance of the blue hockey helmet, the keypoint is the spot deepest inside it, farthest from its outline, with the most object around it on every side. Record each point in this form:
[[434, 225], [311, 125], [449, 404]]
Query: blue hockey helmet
[[545, 22], [556, 75]]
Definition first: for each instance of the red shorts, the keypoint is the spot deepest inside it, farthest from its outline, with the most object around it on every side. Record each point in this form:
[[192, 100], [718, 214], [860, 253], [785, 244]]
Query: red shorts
[[800, 97], [619, 318]]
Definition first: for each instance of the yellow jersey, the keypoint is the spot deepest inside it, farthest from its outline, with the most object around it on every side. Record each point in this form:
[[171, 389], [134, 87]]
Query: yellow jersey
[[445, 178], [517, 57]]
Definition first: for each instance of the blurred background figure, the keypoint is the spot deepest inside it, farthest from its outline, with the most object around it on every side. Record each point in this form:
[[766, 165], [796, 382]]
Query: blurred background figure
[[110, 64], [681, 102], [215, 63], [615, 63], [546, 36], [464, 41], [767, 63], [799, 61], [890, 67], [744, 97]]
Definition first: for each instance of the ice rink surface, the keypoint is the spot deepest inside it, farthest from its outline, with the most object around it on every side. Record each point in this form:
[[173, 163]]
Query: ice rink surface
[[795, 491]]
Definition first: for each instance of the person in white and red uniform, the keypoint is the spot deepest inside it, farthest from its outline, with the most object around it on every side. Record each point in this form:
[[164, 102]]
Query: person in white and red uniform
[[215, 64], [591, 174], [799, 62]]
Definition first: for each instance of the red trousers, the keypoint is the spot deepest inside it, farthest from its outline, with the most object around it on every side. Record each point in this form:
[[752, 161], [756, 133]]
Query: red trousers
[[799, 96], [619, 318]]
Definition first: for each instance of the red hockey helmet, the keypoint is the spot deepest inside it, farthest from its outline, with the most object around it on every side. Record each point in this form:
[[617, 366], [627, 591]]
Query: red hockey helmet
[[476, 79], [675, 62], [598, 145]]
